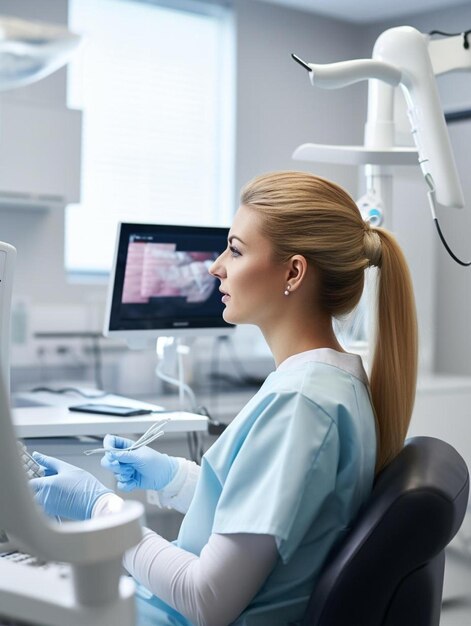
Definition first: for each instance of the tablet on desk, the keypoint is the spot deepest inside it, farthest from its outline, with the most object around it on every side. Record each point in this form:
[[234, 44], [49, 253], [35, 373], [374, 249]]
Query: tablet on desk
[[110, 409]]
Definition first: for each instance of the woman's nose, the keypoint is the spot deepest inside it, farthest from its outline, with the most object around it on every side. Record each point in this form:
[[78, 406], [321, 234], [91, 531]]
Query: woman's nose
[[217, 268]]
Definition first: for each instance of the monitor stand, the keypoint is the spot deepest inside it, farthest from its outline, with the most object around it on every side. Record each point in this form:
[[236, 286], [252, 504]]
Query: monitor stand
[[171, 351]]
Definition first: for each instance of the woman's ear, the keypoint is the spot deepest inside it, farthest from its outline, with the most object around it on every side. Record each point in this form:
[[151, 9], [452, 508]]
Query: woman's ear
[[297, 269]]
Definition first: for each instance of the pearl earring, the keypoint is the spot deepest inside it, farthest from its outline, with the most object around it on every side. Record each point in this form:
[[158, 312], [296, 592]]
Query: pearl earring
[[286, 292]]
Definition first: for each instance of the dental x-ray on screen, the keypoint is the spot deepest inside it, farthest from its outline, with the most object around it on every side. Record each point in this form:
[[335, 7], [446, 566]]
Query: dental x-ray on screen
[[160, 284]]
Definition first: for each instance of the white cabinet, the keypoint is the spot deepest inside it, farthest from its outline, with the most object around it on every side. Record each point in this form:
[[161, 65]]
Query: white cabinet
[[40, 154]]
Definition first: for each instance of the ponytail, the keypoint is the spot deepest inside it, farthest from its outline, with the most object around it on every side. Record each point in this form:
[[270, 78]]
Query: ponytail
[[394, 369]]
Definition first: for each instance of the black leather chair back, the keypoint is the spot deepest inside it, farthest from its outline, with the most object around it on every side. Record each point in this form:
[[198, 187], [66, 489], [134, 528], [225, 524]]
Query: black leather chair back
[[389, 570]]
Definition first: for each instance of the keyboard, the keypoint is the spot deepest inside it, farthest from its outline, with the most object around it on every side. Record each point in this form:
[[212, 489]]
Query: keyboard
[[32, 467], [22, 558], [9, 622]]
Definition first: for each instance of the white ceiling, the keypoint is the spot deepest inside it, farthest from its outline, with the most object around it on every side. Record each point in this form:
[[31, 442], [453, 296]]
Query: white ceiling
[[362, 11]]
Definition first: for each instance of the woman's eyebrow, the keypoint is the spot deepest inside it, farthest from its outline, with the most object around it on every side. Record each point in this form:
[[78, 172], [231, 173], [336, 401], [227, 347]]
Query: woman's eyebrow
[[235, 237]]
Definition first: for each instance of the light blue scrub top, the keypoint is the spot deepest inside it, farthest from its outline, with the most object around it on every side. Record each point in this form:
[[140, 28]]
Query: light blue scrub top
[[296, 463]]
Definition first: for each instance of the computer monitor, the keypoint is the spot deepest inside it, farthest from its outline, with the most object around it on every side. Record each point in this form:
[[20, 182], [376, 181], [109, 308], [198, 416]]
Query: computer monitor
[[160, 285]]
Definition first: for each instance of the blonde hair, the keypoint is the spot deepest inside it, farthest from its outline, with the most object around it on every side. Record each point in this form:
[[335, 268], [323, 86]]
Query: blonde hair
[[308, 215]]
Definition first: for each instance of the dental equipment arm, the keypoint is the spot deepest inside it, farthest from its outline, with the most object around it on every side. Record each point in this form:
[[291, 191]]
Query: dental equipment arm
[[401, 57], [450, 54], [408, 49], [95, 592], [344, 73]]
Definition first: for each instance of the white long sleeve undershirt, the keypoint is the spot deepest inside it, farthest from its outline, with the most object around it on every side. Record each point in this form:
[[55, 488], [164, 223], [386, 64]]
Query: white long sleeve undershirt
[[179, 492], [209, 590]]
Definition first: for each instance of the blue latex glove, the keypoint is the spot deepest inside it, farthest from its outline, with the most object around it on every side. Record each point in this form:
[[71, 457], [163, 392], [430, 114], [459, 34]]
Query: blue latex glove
[[66, 490], [144, 468]]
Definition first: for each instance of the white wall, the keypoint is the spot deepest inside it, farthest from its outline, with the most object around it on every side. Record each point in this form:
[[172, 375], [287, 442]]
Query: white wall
[[277, 108]]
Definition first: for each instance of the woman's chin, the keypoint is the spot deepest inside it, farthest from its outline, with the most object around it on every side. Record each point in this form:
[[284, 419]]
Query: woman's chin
[[227, 317]]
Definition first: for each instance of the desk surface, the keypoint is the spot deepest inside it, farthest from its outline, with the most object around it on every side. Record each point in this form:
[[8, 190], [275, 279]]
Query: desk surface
[[54, 421]]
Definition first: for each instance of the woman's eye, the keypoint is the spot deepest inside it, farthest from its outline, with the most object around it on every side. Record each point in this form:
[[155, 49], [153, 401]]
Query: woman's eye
[[234, 251]]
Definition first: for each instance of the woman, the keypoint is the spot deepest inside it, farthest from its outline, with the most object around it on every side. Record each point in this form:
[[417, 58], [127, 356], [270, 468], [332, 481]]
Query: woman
[[281, 486]]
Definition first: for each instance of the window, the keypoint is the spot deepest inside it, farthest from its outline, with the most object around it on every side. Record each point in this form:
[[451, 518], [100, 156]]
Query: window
[[155, 85]]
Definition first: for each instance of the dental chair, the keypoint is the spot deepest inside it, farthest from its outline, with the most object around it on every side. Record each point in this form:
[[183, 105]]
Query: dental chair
[[389, 569], [74, 574]]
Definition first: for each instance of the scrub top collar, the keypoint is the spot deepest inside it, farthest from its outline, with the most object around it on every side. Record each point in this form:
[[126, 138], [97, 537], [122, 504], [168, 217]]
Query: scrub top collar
[[346, 361]]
